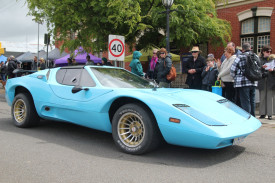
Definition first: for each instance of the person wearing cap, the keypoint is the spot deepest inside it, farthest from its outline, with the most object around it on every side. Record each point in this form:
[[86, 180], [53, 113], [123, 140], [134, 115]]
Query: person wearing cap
[[194, 67]]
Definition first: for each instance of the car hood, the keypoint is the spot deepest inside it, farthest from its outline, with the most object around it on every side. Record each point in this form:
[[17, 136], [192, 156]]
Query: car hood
[[205, 106]]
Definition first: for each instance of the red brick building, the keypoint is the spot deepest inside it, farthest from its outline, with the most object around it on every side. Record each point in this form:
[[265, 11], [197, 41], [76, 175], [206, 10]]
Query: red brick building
[[252, 21]]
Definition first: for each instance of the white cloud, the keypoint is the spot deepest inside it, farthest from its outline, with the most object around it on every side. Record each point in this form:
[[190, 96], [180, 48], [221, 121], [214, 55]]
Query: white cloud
[[18, 28]]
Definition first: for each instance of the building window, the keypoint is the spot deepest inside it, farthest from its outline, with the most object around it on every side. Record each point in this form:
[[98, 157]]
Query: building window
[[256, 31], [249, 40], [262, 41], [248, 26], [264, 24]]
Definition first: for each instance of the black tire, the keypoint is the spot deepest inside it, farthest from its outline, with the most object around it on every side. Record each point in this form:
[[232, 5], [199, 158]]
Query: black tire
[[135, 130], [23, 111]]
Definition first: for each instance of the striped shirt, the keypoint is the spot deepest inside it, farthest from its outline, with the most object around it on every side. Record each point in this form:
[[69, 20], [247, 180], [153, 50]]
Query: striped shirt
[[236, 72]]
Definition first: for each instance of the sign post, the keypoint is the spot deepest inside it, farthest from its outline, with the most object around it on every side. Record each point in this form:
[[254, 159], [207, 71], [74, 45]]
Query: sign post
[[2, 50], [116, 48]]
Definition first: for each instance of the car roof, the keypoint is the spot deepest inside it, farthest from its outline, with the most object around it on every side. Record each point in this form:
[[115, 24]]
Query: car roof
[[73, 67], [83, 66]]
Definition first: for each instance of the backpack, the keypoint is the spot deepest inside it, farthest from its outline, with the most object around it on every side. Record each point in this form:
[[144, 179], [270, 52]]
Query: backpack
[[252, 69], [171, 76]]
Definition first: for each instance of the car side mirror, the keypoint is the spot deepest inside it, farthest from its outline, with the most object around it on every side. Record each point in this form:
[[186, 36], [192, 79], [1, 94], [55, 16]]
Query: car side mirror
[[78, 89]]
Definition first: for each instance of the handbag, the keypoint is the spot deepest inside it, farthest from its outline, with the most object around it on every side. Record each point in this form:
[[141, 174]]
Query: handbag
[[217, 88], [171, 76]]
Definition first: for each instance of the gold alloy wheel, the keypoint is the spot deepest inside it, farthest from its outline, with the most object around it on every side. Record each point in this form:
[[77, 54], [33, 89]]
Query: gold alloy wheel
[[19, 111], [131, 129]]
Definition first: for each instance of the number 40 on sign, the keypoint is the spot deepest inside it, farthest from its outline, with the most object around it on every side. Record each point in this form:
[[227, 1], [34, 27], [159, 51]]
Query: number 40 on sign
[[116, 48]]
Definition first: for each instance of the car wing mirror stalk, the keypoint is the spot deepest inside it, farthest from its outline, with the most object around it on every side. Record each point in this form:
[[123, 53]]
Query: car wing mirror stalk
[[78, 89]]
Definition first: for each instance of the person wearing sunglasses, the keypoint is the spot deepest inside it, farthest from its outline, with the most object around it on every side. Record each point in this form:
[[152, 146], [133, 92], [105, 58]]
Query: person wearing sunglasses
[[194, 68], [265, 85], [152, 65], [163, 68]]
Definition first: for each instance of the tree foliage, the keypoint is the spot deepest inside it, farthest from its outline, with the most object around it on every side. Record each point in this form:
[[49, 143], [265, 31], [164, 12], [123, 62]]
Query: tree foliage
[[140, 21]]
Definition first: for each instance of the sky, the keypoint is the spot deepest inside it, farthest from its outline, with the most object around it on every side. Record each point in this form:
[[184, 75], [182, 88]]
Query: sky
[[18, 32]]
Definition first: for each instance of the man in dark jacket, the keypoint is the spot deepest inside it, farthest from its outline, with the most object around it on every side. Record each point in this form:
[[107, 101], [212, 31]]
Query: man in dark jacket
[[163, 68], [194, 68], [12, 65]]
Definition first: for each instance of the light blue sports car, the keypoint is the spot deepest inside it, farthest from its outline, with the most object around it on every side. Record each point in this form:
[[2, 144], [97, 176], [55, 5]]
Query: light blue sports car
[[137, 113]]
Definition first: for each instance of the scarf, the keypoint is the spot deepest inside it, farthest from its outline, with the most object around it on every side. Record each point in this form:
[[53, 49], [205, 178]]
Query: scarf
[[153, 63]]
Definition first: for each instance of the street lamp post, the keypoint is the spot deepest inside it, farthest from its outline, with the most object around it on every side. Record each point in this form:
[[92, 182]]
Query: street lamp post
[[167, 4]]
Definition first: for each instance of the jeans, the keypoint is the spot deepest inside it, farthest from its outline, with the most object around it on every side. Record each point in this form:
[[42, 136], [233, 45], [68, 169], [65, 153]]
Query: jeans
[[3, 77], [229, 91], [247, 98]]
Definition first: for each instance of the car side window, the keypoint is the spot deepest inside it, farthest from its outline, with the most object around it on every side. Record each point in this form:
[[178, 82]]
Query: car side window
[[71, 77], [86, 79], [60, 75]]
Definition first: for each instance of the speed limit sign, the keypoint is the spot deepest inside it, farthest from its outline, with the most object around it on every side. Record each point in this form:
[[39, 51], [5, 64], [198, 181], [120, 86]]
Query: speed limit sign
[[116, 48]]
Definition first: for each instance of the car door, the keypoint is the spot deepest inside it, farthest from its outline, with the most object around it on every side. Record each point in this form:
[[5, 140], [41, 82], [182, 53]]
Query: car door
[[67, 79], [81, 107]]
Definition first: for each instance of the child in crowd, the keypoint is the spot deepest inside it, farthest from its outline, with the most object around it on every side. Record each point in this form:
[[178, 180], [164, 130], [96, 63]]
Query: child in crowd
[[209, 74]]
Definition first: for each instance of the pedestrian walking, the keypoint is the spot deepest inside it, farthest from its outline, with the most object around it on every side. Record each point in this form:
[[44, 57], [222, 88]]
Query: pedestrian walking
[[194, 67], [224, 73], [135, 64], [244, 86]]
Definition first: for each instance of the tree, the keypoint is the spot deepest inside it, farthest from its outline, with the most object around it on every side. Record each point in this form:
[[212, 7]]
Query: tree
[[195, 21]]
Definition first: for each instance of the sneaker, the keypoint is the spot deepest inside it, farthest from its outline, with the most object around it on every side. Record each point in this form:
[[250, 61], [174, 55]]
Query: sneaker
[[270, 117], [262, 117]]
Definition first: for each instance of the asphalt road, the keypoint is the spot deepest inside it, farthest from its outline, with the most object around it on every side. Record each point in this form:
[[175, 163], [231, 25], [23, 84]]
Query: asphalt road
[[61, 152]]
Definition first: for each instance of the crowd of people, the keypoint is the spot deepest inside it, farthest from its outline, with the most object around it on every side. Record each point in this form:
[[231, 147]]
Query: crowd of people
[[229, 70]]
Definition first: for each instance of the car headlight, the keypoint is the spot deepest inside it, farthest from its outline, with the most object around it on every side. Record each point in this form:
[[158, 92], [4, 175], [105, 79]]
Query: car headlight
[[206, 119], [227, 103]]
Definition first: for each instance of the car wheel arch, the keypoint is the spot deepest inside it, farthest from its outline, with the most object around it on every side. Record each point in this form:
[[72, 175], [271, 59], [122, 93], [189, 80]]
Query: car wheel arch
[[21, 89], [126, 100]]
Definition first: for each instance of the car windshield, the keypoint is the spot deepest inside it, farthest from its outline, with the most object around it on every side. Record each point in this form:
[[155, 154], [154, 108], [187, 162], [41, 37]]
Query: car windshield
[[120, 78]]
